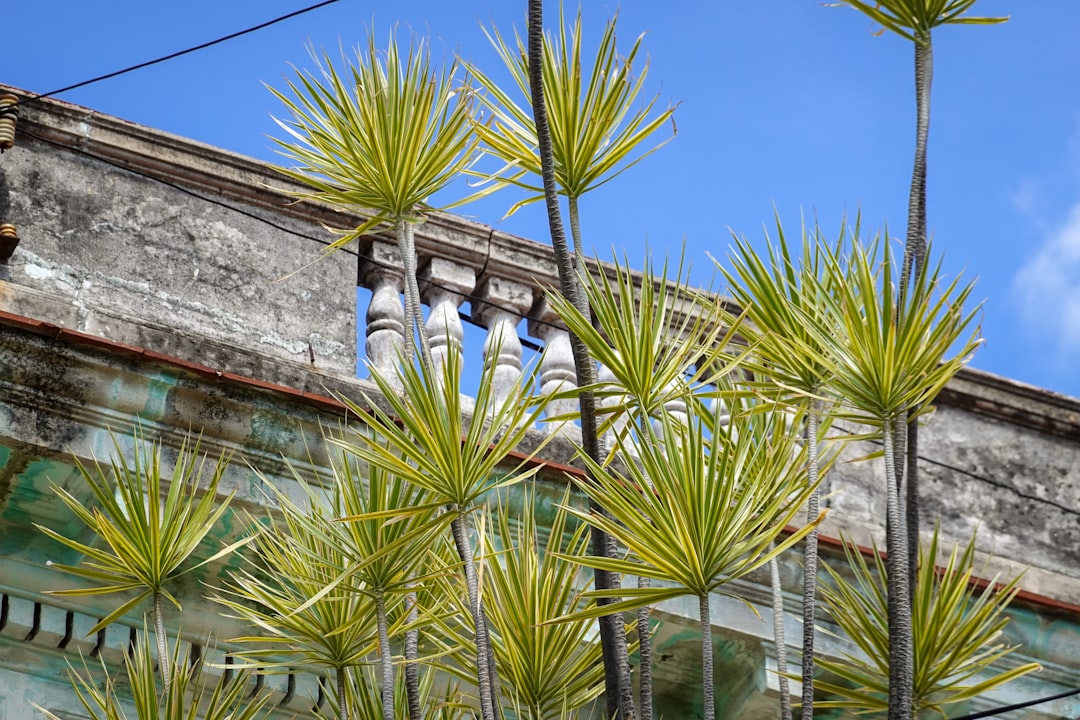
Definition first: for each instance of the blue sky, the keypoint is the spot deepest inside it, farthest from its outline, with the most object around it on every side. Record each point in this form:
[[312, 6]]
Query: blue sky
[[781, 103]]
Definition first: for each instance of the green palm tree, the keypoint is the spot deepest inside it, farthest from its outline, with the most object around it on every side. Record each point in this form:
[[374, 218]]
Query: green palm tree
[[780, 294], [630, 331], [594, 135], [295, 595], [424, 437], [189, 693], [385, 560], [532, 75], [957, 630], [889, 357], [704, 506], [547, 670], [915, 20], [148, 543], [381, 138]]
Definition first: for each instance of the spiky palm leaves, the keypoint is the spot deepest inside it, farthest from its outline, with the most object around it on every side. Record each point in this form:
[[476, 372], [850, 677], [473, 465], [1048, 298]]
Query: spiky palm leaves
[[295, 596], [381, 138], [781, 293], [149, 543], [888, 357], [546, 670], [957, 628], [704, 506], [191, 691], [595, 133], [425, 438]]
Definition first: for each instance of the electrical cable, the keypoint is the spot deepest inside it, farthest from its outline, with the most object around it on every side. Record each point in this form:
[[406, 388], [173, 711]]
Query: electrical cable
[[1018, 706], [174, 55], [982, 478]]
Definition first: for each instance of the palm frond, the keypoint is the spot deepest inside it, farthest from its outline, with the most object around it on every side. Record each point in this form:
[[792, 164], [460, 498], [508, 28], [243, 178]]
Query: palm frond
[[594, 134], [704, 506], [150, 522], [915, 19], [382, 136], [891, 354], [192, 692], [657, 339], [957, 629], [295, 597], [545, 669], [782, 296], [427, 439]]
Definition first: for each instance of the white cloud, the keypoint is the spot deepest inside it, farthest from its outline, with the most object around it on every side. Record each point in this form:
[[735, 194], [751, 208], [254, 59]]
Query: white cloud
[[1047, 285]]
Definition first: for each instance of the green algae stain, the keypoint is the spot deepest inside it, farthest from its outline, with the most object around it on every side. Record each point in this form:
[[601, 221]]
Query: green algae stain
[[158, 387], [6, 476]]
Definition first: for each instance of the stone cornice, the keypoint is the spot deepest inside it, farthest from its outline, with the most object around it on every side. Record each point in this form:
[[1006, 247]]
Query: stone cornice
[[487, 251]]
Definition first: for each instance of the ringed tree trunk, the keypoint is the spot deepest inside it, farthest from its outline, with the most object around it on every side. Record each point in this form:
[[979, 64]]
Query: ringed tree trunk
[[412, 670], [414, 312], [914, 259], [385, 661], [780, 639], [575, 230], [483, 645], [342, 693], [645, 694], [618, 690], [810, 561], [901, 650], [162, 641], [708, 691]]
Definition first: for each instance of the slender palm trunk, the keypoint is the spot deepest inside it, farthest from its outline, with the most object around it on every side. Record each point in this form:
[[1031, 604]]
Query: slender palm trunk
[[575, 230], [810, 562], [709, 710], [619, 692], [901, 650], [914, 259], [911, 502], [342, 694], [412, 653], [483, 646], [645, 694], [162, 642], [414, 312], [385, 661], [915, 242], [780, 639]]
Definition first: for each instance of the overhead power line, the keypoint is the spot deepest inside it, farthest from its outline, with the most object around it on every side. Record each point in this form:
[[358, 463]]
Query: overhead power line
[[174, 55], [1018, 706]]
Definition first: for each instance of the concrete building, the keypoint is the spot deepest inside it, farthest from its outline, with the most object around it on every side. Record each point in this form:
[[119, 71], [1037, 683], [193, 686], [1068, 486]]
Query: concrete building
[[147, 286]]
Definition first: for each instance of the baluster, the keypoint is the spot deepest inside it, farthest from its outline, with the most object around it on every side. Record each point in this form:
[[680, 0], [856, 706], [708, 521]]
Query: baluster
[[502, 303], [444, 285], [557, 372], [385, 332]]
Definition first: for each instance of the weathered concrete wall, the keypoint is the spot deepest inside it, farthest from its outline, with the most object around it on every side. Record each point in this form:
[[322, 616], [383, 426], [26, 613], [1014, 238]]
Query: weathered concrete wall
[[997, 457], [114, 254]]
